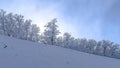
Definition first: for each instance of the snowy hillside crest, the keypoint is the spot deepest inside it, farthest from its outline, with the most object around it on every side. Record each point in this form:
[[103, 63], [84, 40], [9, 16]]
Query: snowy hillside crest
[[16, 26]]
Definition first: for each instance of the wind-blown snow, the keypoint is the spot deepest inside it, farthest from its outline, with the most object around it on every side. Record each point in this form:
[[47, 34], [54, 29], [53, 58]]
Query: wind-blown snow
[[25, 54]]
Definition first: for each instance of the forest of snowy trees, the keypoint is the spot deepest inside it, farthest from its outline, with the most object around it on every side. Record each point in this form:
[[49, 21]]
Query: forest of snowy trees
[[14, 25]]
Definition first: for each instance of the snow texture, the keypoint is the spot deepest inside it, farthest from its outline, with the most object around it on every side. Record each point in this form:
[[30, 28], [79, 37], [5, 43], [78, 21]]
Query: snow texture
[[25, 54]]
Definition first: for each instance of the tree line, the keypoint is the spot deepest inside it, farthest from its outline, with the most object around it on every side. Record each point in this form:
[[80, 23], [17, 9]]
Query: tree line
[[14, 25]]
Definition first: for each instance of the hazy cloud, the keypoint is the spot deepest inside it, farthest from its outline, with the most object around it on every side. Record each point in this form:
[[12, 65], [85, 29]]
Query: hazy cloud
[[97, 19]]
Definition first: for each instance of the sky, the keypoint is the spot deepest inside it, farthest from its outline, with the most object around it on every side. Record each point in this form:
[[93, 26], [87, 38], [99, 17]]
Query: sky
[[91, 19]]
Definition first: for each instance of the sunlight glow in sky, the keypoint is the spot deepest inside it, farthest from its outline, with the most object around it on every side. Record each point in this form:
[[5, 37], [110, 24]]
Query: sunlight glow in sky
[[92, 19]]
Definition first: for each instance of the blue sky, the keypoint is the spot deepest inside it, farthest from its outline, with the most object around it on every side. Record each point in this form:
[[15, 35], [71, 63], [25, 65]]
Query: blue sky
[[92, 19]]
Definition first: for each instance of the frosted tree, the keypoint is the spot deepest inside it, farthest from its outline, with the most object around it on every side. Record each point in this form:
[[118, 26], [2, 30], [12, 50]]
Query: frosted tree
[[76, 44], [51, 32], [2, 21], [82, 44], [99, 49], [10, 25], [115, 51], [59, 41], [91, 45], [34, 33], [27, 28], [68, 40], [19, 26], [105, 45], [72, 43]]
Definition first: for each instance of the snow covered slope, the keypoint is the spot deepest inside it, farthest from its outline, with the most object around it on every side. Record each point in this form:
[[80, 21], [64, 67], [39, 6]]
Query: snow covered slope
[[25, 54]]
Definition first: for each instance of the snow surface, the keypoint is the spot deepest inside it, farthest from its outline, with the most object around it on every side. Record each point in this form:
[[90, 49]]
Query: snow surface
[[25, 54]]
